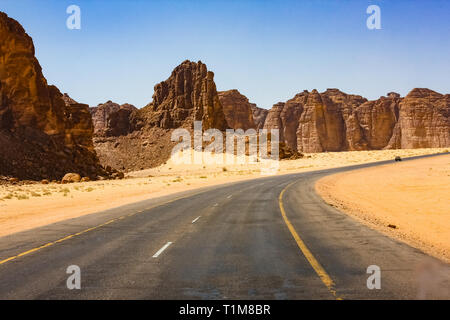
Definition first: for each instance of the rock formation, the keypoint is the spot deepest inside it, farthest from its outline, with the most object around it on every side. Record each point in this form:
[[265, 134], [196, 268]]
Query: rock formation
[[45, 134], [377, 120], [237, 109], [112, 119], [423, 121], [130, 139], [40, 135], [240, 113], [309, 122], [259, 116], [336, 121], [328, 122], [188, 95]]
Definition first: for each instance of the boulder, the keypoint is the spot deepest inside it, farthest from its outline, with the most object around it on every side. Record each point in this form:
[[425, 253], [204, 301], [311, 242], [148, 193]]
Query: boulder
[[71, 177]]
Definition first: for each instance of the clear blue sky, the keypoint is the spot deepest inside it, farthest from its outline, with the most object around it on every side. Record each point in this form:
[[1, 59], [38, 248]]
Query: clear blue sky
[[269, 50]]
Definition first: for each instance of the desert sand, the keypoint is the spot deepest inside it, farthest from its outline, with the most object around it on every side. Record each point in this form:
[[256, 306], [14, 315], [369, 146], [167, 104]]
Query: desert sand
[[413, 196], [23, 207]]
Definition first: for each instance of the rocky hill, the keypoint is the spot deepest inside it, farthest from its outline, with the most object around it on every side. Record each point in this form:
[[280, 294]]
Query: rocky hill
[[40, 135], [138, 139]]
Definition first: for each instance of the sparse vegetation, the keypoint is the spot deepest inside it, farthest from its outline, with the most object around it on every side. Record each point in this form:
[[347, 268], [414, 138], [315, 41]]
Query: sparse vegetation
[[22, 197]]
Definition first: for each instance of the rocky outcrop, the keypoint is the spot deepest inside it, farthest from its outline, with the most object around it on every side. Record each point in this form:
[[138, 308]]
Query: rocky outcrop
[[259, 116], [40, 135], [423, 120], [188, 95], [378, 119], [328, 122], [129, 139], [237, 109], [336, 121], [112, 119]]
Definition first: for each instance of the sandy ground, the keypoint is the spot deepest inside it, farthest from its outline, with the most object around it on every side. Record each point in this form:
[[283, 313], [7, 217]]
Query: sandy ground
[[24, 207], [414, 196]]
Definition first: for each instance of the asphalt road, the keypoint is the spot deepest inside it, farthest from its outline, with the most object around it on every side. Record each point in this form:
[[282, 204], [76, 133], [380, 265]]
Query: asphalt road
[[235, 241]]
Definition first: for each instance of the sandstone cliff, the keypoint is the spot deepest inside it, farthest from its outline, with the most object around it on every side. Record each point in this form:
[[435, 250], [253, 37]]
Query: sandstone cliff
[[112, 119], [40, 135], [424, 121], [259, 116], [336, 121], [188, 95], [237, 109], [309, 122]]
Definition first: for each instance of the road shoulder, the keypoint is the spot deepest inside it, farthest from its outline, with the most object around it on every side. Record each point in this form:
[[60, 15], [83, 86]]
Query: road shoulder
[[407, 201]]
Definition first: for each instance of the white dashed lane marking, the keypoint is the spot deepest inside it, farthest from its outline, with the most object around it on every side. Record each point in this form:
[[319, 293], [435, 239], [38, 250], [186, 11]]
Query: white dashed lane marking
[[162, 249]]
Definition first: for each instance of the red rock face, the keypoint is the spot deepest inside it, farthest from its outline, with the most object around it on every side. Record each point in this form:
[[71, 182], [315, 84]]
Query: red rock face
[[188, 94], [237, 109], [259, 116], [112, 119], [314, 122], [40, 136], [129, 139], [377, 120], [424, 120], [335, 121]]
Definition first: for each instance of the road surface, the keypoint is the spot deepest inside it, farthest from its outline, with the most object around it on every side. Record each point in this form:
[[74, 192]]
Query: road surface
[[267, 238]]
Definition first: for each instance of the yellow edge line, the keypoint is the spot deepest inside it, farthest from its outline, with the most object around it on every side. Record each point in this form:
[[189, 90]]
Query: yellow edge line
[[87, 230], [326, 279]]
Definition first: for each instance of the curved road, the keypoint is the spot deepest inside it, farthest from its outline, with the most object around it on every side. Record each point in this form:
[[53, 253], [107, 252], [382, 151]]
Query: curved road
[[235, 241]]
